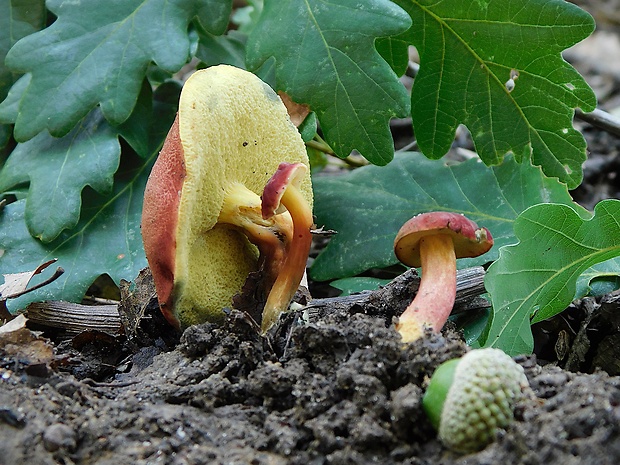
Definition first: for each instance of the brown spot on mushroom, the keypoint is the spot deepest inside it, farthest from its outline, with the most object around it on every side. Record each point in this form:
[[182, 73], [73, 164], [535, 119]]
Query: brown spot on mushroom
[[296, 111]]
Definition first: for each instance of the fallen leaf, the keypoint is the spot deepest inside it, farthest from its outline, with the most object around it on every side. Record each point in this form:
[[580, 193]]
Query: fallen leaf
[[16, 284], [296, 111], [19, 342]]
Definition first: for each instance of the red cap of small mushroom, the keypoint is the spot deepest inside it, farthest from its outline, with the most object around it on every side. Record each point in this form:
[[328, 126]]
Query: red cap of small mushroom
[[434, 241], [469, 240]]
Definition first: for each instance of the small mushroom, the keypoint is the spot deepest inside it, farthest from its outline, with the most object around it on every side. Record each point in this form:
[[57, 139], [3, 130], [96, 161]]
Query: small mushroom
[[434, 241], [202, 225]]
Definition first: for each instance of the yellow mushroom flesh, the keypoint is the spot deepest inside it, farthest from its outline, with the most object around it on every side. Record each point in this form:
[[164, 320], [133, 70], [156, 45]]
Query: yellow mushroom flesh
[[232, 132]]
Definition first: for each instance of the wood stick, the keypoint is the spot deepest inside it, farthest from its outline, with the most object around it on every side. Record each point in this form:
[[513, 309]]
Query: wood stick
[[75, 318], [600, 119], [398, 293]]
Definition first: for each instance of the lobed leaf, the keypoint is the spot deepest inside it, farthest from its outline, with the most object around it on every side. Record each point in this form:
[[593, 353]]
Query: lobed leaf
[[107, 237], [394, 52], [17, 19], [106, 240], [136, 129], [537, 278], [227, 49], [368, 206], [5, 136], [468, 51], [9, 108], [355, 285], [599, 279], [326, 58], [98, 54], [59, 169]]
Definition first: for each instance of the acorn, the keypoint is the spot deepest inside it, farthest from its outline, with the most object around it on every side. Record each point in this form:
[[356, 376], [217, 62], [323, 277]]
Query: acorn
[[470, 398]]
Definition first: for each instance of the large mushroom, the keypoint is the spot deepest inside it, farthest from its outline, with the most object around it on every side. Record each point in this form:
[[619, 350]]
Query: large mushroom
[[434, 241], [203, 226]]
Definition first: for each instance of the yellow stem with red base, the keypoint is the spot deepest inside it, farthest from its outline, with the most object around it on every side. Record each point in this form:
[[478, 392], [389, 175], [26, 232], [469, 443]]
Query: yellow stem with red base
[[433, 303]]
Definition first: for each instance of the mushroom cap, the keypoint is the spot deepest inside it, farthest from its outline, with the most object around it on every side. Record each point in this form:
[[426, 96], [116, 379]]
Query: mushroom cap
[[469, 239], [231, 128]]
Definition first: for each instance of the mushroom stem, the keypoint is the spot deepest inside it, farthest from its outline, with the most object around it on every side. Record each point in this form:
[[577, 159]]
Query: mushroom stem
[[433, 303], [242, 208], [283, 237], [294, 266], [283, 185]]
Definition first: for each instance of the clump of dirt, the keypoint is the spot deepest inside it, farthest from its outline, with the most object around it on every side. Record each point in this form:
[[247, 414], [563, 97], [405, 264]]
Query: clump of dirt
[[341, 389]]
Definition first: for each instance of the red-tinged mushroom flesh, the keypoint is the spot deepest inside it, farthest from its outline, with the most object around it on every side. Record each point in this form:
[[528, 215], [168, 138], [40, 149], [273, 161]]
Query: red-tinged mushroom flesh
[[434, 241], [283, 191], [202, 223]]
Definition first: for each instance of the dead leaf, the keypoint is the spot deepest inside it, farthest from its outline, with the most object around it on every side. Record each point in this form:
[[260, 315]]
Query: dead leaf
[[296, 111], [16, 284], [19, 342], [141, 319]]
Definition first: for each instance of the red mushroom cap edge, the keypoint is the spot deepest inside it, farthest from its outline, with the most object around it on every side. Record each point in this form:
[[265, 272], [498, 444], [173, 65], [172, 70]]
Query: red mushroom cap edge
[[469, 239]]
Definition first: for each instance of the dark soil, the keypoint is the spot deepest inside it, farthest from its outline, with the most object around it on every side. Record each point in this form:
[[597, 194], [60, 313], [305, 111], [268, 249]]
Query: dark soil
[[330, 388], [341, 389]]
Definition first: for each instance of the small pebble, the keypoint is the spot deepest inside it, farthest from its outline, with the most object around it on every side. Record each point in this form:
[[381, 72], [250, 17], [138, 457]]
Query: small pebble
[[11, 418], [59, 436]]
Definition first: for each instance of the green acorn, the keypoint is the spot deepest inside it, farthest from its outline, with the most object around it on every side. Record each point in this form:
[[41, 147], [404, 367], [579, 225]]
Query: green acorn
[[469, 398]]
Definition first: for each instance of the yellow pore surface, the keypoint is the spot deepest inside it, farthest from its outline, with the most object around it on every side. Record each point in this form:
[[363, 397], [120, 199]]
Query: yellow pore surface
[[234, 129]]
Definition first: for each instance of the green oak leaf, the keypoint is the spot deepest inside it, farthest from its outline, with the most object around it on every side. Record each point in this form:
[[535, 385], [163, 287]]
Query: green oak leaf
[[136, 129], [394, 51], [326, 58], [59, 169], [226, 49], [245, 18], [307, 129], [18, 18], [98, 54], [468, 51], [354, 285], [536, 278], [106, 240], [368, 206], [599, 279], [473, 324], [5, 137], [165, 106], [9, 108]]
